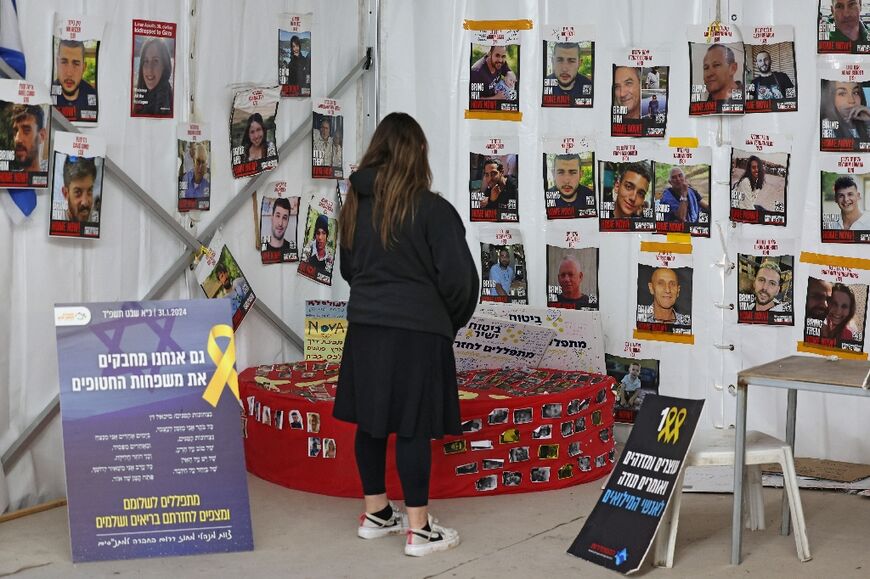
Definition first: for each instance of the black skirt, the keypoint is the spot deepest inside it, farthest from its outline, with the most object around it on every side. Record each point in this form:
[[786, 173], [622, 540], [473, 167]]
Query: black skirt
[[397, 380]]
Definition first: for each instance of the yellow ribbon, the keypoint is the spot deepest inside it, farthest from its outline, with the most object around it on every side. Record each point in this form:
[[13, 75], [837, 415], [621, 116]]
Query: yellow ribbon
[[225, 360]]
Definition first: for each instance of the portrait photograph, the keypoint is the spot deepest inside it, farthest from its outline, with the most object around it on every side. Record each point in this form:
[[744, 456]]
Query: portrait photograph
[[765, 289], [493, 187], [635, 379], [759, 187], [503, 269], [843, 27], [664, 299], [845, 211], [279, 218], [76, 196], [844, 116], [627, 202], [494, 77], [74, 78], [771, 78], [152, 77], [683, 198], [572, 278], [294, 55], [253, 140], [569, 69], [318, 246], [194, 175], [836, 314], [569, 185], [716, 78]]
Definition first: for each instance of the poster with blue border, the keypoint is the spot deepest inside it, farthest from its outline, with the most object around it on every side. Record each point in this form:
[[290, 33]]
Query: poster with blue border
[[151, 429]]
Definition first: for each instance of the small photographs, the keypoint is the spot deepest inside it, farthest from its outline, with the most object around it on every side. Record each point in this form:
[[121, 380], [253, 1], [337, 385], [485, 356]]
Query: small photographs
[[604, 434], [295, 418], [329, 449], [574, 448], [551, 410], [580, 424], [567, 428], [573, 407], [600, 461], [486, 483], [611, 456], [523, 415], [540, 474], [493, 463], [548, 451], [542, 432], [314, 446], [509, 436], [511, 478], [481, 445], [596, 418], [518, 454], [584, 463], [565, 471], [467, 468], [279, 419], [313, 419], [472, 425], [455, 447], [497, 416], [601, 396]]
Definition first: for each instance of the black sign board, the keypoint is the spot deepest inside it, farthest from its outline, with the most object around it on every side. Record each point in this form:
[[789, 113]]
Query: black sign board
[[621, 527]]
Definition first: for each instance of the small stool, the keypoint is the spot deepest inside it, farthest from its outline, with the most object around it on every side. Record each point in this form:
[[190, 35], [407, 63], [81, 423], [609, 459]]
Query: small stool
[[716, 448]]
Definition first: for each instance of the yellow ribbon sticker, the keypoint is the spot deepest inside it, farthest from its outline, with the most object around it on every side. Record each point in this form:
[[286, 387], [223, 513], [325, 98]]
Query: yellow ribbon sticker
[[225, 360]]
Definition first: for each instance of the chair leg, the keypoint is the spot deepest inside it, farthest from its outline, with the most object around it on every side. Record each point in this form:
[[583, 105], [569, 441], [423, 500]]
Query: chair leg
[[755, 497], [789, 479], [666, 537]]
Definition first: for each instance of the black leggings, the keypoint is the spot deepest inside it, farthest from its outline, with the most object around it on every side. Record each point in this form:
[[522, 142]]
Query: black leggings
[[413, 461]]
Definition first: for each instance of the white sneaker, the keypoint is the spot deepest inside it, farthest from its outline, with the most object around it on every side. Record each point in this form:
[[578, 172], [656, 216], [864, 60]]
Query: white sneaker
[[422, 542], [372, 527]]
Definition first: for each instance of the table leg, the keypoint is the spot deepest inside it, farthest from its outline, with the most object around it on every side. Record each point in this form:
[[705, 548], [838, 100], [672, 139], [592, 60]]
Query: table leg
[[739, 464], [790, 414]]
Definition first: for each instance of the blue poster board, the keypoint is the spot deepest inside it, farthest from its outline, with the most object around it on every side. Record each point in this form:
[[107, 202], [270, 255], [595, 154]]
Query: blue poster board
[[151, 429]]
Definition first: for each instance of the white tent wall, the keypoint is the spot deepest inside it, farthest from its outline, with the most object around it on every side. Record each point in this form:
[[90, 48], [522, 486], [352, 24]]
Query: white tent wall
[[235, 42], [424, 71]]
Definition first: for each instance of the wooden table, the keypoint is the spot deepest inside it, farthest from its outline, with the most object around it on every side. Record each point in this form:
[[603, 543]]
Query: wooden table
[[811, 374]]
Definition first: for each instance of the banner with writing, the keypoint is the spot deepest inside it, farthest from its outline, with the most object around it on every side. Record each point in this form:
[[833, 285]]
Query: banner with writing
[[491, 343], [154, 459], [619, 531], [325, 329]]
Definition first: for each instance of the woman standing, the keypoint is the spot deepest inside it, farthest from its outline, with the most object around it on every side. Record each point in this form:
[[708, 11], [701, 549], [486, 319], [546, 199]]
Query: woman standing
[[413, 284]]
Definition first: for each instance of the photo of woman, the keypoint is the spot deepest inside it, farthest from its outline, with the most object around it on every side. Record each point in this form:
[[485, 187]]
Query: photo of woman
[[750, 184], [254, 140], [153, 94], [841, 309], [844, 115]]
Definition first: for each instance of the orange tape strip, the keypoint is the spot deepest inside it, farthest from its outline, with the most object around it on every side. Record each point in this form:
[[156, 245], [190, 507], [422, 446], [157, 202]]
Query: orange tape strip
[[661, 247], [835, 260], [822, 351], [664, 337], [525, 24], [493, 116]]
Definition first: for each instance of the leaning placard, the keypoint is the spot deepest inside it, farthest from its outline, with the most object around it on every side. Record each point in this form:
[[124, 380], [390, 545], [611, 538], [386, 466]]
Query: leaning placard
[[619, 531], [152, 444], [25, 120]]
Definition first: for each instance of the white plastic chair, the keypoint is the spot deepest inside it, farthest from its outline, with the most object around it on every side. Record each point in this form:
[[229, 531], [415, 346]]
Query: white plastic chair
[[716, 448]]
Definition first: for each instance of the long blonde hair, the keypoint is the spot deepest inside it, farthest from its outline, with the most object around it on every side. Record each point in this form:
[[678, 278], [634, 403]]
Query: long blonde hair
[[399, 152]]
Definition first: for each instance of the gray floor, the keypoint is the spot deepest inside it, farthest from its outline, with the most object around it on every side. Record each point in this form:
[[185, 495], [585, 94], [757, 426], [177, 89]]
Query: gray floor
[[305, 535]]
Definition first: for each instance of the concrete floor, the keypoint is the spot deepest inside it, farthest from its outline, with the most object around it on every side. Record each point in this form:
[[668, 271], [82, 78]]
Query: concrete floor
[[299, 534]]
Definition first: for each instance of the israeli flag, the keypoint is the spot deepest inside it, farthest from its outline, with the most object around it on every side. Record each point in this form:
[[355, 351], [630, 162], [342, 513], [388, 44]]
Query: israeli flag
[[11, 52]]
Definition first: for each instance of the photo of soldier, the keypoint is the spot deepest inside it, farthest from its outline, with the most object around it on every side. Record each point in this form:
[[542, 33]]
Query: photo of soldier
[[503, 268], [278, 221], [716, 77], [76, 196], [664, 299], [845, 214], [635, 379], [74, 76], [569, 184], [765, 290], [318, 246], [568, 74], [572, 278], [494, 79], [294, 55], [771, 77], [844, 115], [194, 175], [843, 27], [493, 187], [626, 196], [759, 187], [640, 101], [253, 133], [152, 77], [682, 199], [24, 147], [835, 314]]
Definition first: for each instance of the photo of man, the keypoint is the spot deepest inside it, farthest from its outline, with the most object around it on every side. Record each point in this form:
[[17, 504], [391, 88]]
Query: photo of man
[[765, 290], [278, 218], [294, 57], [79, 176], [493, 188], [29, 134], [566, 196], [318, 250], [845, 218], [716, 78], [767, 83], [842, 26], [494, 76], [626, 93], [640, 98], [565, 84], [625, 205], [74, 95], [194, 183], [664, 301], [503, 270], [572, 278], [680, 207]]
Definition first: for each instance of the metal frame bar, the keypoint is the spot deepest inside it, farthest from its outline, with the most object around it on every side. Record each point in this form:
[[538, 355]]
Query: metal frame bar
[[13, 453]]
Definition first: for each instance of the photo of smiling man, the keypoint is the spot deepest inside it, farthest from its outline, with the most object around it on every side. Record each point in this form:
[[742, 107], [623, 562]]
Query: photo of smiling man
[[640, 93], [664, 298], [716, 71], [845, 211], [626, 196]]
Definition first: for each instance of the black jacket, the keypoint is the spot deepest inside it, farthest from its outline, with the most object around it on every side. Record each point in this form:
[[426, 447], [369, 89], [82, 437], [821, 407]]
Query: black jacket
[[426, 281]]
